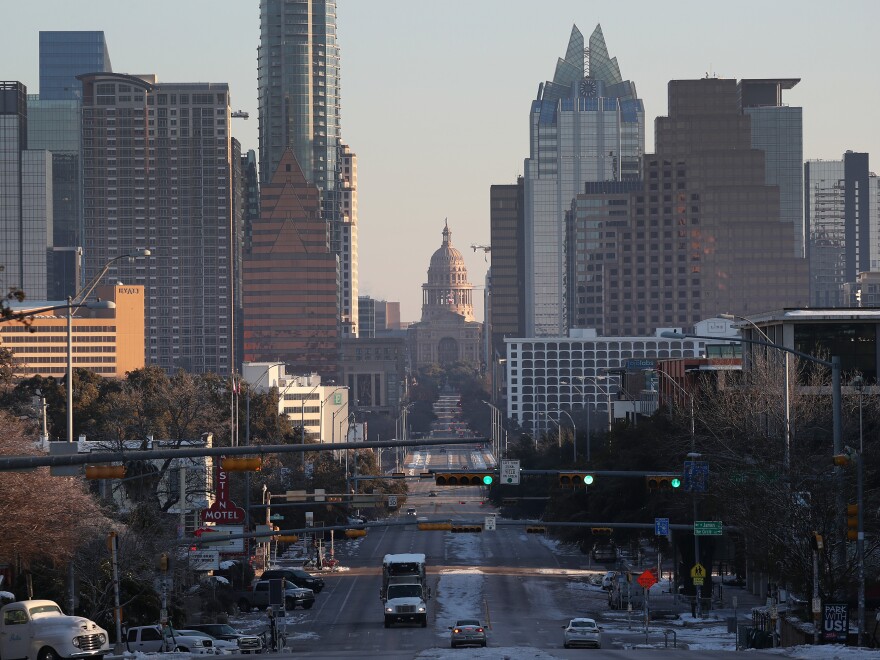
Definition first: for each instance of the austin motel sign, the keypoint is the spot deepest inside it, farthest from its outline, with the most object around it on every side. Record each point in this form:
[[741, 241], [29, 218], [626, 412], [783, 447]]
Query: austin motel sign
[[223, 510]]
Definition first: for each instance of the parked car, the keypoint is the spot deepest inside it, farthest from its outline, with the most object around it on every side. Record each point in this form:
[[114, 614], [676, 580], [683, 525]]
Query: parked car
[[296, 576], [582, 632], [221, 646], [39, 629], [608, 580], [467, 632], [246, 643], [159, 639], [258, 596]]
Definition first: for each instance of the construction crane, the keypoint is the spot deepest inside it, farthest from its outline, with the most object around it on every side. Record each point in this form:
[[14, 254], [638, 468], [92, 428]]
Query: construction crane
[[485, 248], [240, 114]]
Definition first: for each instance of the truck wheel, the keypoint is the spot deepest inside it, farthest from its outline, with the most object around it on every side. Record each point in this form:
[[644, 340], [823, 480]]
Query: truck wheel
[[48, 653], [308, 606], [244, 606]]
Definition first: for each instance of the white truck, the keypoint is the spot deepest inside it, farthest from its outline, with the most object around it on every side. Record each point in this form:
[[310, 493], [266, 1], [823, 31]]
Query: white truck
[[405, 589], [39, 630], [163, 639]]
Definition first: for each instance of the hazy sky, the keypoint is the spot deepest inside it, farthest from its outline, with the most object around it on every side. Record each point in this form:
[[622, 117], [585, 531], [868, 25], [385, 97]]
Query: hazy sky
[[435, 95]]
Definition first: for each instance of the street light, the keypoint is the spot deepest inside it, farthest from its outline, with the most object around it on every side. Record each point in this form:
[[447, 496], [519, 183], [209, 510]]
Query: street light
[[497, 427], [89, 287], [606, 390], [787, 456], [589, 431], [574, 432], [689, 395]]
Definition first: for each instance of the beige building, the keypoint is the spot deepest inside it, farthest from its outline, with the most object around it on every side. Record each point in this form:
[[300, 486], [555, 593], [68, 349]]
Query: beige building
[[109, 342], [447, 332]]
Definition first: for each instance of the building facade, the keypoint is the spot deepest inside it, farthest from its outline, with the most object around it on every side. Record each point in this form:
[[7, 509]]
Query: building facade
[[506, 309], [64, 55], [374, 370], [291, 279], [842, 217], [107, 342], [700, 235], [587, 124], [25, 199], [447, 332], [158, 174]]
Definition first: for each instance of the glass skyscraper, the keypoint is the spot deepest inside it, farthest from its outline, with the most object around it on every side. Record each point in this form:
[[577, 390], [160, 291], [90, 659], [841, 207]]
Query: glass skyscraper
[[64, 56], [587, 124]]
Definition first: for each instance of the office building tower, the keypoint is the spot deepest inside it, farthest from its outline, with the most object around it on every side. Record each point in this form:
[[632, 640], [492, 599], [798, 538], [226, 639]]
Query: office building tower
[[699, 236], [64, 55], [25, 199], [842, 230], [506, 313], [377, 318], [778, 131], [587, 124], [158, 174], [54, 124], [299, 109], [291, 279]]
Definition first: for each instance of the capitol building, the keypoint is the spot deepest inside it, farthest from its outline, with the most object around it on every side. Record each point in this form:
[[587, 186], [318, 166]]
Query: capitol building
[[447, 332]]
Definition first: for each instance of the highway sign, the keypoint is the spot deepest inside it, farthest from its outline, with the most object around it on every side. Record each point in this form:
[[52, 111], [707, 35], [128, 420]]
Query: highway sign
[[707, 528], [661, 526], [392, 501], [510, 472], [276, 516], [489, 523], [647, 579], [698, 571]]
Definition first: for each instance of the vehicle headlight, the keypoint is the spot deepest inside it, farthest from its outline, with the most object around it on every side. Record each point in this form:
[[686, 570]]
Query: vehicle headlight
[[389, 609], [422, 608], [75, 642], [102, 638]]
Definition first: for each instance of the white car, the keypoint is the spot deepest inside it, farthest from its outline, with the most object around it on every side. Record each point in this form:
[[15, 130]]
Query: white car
[[608, 580], [220, 646], [582, 632]]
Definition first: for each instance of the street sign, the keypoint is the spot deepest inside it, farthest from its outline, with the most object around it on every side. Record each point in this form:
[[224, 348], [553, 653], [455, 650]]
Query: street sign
[[707, 528], [510, 472], [276, 516], [489, 523], [696, 476], [661, 526], [392, 501], [647, 579], [817, 605], [698, 582], [698, 571], [204, 560], [835, 622]]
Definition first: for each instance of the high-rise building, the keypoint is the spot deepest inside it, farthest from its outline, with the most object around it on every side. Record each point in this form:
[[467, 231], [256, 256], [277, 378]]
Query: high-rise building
[[506, 317], [64, 55], [158, 174], [701, 234], [377, 317], [778, 131], [587, 124], [842, 224], [291, 279], [299, 109], [54, 124], [25, 199]]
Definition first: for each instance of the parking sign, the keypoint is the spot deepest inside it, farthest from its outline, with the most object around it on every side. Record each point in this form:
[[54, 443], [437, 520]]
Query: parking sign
[[661, 526], [510, 472]]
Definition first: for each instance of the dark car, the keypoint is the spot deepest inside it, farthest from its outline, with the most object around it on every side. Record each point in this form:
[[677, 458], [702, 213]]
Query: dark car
[[296, 576]]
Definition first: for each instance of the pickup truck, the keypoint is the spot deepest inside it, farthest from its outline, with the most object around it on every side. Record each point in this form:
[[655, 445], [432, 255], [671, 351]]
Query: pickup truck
[[246, 643], [258, 596], [39, 630], [156, 639]]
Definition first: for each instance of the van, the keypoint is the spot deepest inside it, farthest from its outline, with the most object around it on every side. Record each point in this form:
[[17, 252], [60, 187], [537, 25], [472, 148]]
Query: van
[[411, 511]]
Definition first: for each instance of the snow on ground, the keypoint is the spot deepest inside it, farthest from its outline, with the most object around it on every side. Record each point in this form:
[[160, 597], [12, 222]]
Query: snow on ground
[[459, 596]]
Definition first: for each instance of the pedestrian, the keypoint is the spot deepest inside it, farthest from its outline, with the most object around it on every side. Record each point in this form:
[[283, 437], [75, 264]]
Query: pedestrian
[[273, 628]]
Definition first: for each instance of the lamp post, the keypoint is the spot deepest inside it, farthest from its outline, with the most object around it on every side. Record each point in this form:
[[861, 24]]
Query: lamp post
[[606, 390], [587, 403], [859, 382], [497, 427], [247, 442], [400, 428], [558, 427], [836, 412], [574, 433], [688, 395], [786, 461]]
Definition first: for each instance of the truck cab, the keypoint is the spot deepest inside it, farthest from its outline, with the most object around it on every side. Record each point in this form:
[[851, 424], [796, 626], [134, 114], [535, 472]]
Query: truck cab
[[39, 629]]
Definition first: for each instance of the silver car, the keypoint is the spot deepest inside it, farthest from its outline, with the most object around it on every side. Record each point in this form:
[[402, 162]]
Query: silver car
[[468, 631], [582, 632]]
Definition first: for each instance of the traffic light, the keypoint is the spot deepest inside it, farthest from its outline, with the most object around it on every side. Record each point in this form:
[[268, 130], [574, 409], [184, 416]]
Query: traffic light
[[287, 538], [852, 522], [435, 526], [105, 471], [662, 483], [241, 464], [600, 531], [535, 529], [398, 475], [355, 533], [575, 479], [464, 478], [816, 542], [843, 460], [466, 529], [163, 562]]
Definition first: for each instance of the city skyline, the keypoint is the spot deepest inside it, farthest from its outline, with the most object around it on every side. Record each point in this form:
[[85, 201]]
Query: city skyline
[[426, 113]]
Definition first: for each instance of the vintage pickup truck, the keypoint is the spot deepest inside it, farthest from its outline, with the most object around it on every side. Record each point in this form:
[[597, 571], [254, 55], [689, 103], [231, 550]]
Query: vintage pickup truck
[[39, 630]]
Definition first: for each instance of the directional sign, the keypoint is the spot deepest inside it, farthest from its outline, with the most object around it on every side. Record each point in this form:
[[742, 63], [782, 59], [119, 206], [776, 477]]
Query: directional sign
[[661, 526], [698, 571], [276, 516], [510, 472], [647, 579], [707, 528], [489, 523], [696, 477]]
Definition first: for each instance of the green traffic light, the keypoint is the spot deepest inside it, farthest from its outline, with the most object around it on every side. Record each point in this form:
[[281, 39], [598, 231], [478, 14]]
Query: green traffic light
[[588, 479], [676, 482], [487, 479]]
